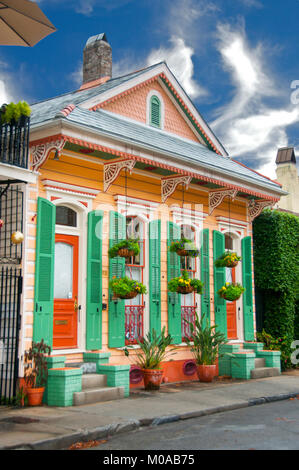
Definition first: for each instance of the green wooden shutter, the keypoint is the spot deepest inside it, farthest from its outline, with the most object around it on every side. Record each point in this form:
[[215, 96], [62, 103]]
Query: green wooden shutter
[[174, 300], [219, 281], [155, 111], [94, 281], [205, 274], [44, 272], [247, 283], [116, 323], [155, 275]]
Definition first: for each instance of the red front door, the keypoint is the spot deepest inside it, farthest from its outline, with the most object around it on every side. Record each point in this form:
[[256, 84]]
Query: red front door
[[65, 292], [231, 310]]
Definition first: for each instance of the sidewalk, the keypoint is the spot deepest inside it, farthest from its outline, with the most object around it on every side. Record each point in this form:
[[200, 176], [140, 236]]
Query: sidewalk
[[57, 428]]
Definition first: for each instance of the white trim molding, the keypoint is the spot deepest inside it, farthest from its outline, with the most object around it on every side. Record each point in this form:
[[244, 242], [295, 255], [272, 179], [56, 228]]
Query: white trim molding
[[113, 169], [170, 183], [133, 206], [73, 189], [216, 197], [184, 216]]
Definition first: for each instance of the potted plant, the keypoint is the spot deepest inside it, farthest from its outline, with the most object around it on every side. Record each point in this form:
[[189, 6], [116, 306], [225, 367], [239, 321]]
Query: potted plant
[[36, 372], [15, 113], [204, 342], [185, 285], [125, 248], [228, 259], [126, 288], [231, 291], [184, 247], [151, 354]]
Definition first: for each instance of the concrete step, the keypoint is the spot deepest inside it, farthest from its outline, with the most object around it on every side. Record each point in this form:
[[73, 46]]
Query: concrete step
[[88, 367], [93, 381], [96, 395], [259, 362], [262, 372]]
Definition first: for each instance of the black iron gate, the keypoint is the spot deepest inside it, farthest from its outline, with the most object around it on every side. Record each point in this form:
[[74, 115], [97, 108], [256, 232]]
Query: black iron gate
[[11, 212], [10, 322]]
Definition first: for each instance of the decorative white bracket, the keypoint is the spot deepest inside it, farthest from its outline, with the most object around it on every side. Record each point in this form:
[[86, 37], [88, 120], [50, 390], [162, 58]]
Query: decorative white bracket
[[216, 197], [170, 184], [40, 152], [113, 169], [256, 207]]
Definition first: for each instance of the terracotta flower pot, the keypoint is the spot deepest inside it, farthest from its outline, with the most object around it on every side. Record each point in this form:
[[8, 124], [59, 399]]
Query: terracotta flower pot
[[182, 252], [206, 373], [35, 396], [152, 378], [125, 253], [185, 289]]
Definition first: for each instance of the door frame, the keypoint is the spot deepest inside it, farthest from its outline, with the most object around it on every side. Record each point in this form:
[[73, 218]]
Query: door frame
[[81, 232]]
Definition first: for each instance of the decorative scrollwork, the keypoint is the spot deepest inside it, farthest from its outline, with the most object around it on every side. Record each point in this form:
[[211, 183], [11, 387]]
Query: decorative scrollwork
[[256, 207], [112, 170], [169, 185], [216, 197], [40, 152]]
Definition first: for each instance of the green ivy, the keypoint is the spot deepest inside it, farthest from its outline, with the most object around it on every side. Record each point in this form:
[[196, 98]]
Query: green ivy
[[276, 271]]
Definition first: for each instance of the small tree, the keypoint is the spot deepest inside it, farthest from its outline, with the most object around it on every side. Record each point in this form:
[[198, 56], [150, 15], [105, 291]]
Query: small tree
[[36, 370]]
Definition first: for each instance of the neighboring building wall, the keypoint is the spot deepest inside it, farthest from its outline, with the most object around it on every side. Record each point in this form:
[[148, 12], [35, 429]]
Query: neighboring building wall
[[287, 175]]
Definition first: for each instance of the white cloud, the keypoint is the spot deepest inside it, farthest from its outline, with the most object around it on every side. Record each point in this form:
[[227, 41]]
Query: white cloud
[[179, 59], [249, 129]]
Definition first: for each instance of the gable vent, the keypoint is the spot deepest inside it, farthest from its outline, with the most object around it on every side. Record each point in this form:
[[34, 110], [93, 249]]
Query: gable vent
[[155, 112]]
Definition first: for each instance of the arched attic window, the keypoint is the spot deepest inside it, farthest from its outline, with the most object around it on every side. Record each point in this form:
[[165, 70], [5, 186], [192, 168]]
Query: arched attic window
[[155, 111]]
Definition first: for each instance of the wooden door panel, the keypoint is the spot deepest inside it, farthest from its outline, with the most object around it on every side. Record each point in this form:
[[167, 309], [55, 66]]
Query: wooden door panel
[[231, 312]]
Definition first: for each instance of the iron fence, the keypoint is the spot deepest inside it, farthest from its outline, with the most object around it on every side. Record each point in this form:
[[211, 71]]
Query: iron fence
[[11, 212], [188, 316], [133, 323], [14, 143]]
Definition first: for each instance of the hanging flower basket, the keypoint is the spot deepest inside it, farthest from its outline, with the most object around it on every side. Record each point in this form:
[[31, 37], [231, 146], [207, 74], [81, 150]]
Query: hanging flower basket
[[125, 288], [185, 285], [125, 249], [229, 259], [231, 291], [184, 247]]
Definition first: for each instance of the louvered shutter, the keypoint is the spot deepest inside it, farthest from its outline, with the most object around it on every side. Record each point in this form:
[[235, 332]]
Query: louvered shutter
[[116, 314], [174, 299], [155, 275], [155, 112], [247, 283], [219, 281], [44, 272], [94, 281], [205, 274]]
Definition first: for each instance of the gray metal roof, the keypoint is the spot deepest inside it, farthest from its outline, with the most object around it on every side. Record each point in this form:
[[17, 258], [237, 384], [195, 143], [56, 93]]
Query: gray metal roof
[[46, 110], [154, 139]]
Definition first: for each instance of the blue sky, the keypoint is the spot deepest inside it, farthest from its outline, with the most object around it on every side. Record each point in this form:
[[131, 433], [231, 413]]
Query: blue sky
[[236, 59]]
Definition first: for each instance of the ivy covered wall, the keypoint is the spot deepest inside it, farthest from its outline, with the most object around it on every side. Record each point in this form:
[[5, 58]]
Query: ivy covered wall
[[276, 271]]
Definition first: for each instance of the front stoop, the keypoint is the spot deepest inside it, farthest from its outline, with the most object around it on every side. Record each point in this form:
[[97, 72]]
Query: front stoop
[[95, 390], [251, 362]]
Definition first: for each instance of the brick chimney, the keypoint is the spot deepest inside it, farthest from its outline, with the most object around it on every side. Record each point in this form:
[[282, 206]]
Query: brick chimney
[[97, 59]]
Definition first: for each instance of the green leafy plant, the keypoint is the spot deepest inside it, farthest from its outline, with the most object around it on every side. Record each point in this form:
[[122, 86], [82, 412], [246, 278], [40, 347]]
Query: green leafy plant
[[184, 284], [131, 244], [231, 291], [152, 349], [124, 286], [36, 370], [204, 341], [23, 109], [277, 344], [228, 259], [184, 247], [13, 111]]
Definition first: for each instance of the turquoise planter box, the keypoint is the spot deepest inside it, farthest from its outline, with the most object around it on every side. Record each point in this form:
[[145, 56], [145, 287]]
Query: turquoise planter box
[[53, 362], [242, 365], [117, 376], [254, 346], [62, 383], [99, 358], [224, 360], [272, 358]]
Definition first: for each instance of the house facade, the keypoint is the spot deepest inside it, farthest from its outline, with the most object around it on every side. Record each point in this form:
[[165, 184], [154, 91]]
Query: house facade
[[122, 157]]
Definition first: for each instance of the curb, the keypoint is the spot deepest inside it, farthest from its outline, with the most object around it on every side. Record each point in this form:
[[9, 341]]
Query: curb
[[63, 442]]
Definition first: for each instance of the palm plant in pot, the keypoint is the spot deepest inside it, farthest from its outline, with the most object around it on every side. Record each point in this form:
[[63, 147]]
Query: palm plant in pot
[[204, 342], [36, 372], [152, 352]]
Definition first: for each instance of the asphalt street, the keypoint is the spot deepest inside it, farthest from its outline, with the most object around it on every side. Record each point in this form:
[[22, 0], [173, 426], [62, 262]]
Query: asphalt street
[[273, 426]]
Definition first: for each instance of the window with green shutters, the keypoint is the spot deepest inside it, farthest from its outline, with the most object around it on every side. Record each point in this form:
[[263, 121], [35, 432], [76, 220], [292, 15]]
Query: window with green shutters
[[205, 273], [155, 275], [44, 272], [94, 281], [174, 299], [116, 313], [219, 281], [155, 111]]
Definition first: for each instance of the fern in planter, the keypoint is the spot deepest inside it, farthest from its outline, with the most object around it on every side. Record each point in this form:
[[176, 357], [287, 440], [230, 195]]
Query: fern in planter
[[126, 288], [184, 247], [185, 285], [125, 248], [231, 291], [227, 260], [14, 113]]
